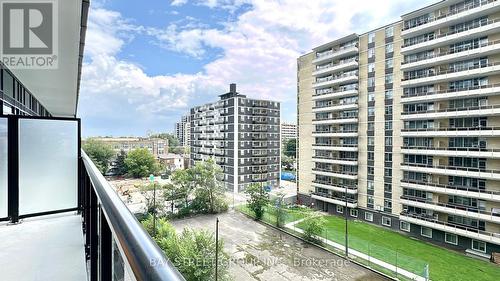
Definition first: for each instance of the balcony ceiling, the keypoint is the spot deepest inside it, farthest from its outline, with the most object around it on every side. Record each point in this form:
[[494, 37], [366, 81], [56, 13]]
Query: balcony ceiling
[[58, 89]]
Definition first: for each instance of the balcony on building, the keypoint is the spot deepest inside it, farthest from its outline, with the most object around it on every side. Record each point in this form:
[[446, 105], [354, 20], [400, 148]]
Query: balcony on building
[[432, 76], [338, 173], [445, 207], [440, 56], [478, 29], [343, 47], [336, 92], [332, 185], [445, 150], [335, 146], [337, 200], [446, 94], [431, 222], [336, 79], [472, 172], [335, 119], [340, 65], [471, 192], [335, 133], [335, 106], [438, 18], [471, 111], [451, 132]]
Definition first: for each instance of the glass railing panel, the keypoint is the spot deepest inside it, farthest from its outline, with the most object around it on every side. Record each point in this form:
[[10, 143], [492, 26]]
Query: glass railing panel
[[48, 165], [3, 168]]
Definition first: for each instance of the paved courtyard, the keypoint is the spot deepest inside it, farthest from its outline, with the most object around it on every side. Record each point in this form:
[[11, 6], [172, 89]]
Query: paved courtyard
[[263, 253]]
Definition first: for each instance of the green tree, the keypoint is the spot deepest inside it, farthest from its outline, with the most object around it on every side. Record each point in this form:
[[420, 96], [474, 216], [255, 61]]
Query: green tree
[[192, 252], [154, 195], [313, 226], [209, 190], [141, 163], [121, 168], [287, 162], [183, 180], [280, 209], [259, 199], [291, 148], [100, 153]]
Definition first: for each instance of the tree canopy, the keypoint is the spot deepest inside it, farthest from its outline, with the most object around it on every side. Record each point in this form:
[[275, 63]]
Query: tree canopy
[[100, 153], [141, 163]]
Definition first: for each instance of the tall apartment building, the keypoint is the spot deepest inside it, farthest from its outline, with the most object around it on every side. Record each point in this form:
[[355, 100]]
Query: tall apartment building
[[399, 126], [288, 131], [183, 131], [242, 135]]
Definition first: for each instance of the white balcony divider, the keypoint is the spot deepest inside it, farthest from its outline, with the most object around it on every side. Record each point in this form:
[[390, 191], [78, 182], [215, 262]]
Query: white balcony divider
[[48, 165], [3, 168]]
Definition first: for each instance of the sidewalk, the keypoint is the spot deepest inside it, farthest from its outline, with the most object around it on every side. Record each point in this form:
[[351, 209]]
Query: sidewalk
[[353, 252]]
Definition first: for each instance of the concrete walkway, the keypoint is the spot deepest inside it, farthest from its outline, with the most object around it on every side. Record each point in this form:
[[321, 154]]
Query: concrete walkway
[[353, 252]]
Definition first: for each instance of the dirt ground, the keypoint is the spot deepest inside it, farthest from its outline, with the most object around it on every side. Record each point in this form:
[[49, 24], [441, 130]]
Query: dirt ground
[[259, 252]]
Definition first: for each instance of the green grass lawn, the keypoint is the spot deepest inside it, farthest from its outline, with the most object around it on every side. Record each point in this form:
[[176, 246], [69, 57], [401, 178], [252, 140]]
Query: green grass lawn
[[412, 254], [292, 214]]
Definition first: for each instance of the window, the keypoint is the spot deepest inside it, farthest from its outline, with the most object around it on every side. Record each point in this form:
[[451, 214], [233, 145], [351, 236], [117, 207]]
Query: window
[[389, 94], [389, 48], [354, 213], [371, 140], [479, 246], [370, 185], [371, 81], [426, 232], [371, 53], [388, 125], [389, 78], [404, 226], [371, 67], [371, 37], [369, 216], [371, 96], [371, 111], [386, 221], [389, 63], [389, 32], [340, 209], [388, 141], [450, 238]]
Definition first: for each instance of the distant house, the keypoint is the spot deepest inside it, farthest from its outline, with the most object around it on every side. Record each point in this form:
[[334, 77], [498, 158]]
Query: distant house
[[172, 161]]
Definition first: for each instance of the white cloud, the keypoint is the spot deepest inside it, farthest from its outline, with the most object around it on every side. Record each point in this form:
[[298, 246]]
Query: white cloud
[[178, 2], [259, 51]]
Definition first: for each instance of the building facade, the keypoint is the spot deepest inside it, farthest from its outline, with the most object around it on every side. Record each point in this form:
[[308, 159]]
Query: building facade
[[399, 126], [288, 131], [155, 145], [242, 135], [183, 131]]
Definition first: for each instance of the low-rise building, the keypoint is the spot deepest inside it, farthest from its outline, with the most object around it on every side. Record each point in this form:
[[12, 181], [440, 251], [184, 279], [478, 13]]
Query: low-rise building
[[155, 145]]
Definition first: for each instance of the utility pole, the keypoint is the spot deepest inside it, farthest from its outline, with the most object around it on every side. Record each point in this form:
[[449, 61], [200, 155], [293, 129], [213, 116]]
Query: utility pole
[[216, 247]]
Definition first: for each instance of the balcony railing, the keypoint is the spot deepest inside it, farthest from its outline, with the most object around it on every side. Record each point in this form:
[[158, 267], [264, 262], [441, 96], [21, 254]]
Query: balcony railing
[[453, 187], [469, 108], [331, 91], [437, 36], [350, 173], [335, 131], [472, 129], [451, 51], [335, 144], [450, 206], [468, 149], [326, 195], [452, 225], [349, 187], [334, 77], [448, 71], [107, 219], [468, 169], [338, 50], [472, 88], [331, 157], [450, 13]]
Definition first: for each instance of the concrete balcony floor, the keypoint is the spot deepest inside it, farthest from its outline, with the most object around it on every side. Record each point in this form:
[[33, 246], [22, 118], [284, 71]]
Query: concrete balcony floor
[[43, 248]]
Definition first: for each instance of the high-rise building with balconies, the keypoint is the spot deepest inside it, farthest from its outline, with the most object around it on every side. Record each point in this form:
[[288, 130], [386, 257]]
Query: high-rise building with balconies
[[242, 135], [183, 131], [399, 126]]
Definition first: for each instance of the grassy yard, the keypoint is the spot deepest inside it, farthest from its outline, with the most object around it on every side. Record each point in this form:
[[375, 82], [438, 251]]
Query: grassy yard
[[411, 254], [270, 214]]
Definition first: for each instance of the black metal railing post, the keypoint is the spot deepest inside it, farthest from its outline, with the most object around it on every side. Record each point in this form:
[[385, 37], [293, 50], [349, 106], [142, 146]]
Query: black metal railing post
[[94, 243], [105, 249]]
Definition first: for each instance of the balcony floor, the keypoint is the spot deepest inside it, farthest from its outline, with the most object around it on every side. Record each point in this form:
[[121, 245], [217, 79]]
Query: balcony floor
[[43, 248]]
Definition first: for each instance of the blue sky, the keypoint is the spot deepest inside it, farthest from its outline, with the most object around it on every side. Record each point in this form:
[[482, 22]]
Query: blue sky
[[147, 62]]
